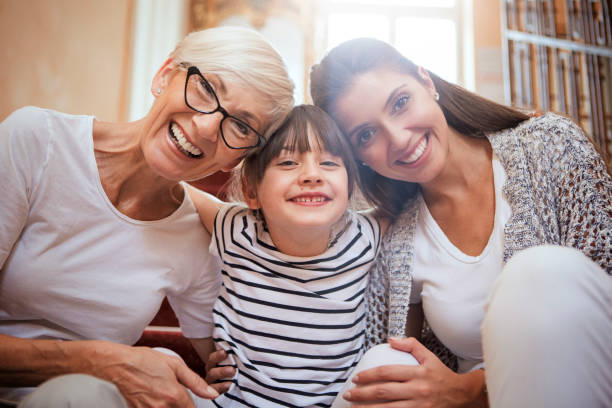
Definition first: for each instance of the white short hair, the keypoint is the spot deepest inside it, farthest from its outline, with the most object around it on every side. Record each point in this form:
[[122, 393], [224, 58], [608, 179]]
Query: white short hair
[[237, 53]]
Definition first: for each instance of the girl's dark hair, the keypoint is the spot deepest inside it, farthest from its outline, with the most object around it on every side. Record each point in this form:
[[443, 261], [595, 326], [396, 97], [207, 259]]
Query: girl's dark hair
[[464, 111], [304, 125]]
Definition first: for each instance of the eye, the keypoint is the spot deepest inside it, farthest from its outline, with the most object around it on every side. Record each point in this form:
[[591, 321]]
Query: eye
[[330, 163], [287, 163], [400, 103], [205, 89], [364, 137], [240, 127]]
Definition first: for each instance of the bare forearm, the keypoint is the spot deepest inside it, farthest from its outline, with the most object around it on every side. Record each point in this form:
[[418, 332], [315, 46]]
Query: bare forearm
[[474, 385], [26, 362]]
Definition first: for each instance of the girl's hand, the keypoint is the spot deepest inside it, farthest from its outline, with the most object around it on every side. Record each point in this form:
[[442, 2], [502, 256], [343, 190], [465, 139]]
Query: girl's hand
[[214, 373], [431, 384]]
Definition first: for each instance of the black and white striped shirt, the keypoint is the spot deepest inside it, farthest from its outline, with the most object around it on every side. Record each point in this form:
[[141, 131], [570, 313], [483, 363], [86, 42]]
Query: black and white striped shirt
[[292, 326]]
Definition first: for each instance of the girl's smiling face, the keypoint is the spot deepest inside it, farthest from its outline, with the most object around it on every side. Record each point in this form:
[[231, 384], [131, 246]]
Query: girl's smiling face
[[394, 124], [302, 193]]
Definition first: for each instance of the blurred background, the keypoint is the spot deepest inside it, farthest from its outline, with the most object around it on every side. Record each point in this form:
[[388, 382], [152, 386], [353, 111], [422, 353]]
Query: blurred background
[[99, 57]]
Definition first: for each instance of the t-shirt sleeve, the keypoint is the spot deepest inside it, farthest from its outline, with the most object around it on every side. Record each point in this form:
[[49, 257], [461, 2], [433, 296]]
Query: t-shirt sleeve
[[216, 239], [194, 306], [371, 227], [24, 150]]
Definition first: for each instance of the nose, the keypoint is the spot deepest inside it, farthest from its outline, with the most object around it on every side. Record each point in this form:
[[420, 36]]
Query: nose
[[208, 125], [310, 174], [397, 137]]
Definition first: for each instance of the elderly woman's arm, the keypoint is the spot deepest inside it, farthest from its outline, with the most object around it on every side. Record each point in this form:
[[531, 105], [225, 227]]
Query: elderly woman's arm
[[144, 376]]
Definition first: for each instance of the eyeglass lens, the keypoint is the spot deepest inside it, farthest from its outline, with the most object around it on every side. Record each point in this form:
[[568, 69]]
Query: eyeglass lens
[[201, 97]]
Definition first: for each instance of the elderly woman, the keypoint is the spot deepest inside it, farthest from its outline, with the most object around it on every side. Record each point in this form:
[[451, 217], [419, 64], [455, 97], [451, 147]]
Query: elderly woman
[[96, 226]]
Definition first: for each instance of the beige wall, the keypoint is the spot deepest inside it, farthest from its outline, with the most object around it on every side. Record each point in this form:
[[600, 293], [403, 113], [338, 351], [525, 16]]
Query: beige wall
[[69, 55], [487, 49]]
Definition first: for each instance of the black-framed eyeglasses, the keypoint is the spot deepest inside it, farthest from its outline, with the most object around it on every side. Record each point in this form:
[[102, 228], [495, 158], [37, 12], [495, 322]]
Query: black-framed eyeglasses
[[201, 97]]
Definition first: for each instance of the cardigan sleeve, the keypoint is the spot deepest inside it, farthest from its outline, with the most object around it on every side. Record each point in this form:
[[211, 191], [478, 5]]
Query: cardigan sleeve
[[584, 191]]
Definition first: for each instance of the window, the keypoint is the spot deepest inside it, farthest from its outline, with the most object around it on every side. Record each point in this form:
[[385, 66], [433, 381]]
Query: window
[[429, 32]]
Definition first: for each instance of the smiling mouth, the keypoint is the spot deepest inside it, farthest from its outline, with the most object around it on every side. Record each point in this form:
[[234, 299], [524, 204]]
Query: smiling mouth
[[313, 200], [417, 152], [177, 136]]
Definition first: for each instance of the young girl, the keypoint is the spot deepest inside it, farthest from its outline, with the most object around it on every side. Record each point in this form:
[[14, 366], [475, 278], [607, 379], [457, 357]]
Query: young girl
[[290, 314]]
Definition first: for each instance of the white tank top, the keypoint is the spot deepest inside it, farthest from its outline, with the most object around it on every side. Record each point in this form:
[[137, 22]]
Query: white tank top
[[453, 286]]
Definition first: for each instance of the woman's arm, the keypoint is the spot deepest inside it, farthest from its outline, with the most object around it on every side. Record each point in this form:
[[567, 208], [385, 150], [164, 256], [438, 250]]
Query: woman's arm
[[144, 376], [207, 205], [584, 193]]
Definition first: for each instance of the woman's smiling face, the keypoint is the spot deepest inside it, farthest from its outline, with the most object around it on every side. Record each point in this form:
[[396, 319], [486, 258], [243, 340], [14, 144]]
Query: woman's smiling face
[[182, 144], [394, 124]]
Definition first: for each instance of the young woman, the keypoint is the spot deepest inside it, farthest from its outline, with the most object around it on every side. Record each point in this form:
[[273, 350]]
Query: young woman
[[96, 227], [290, 315], [479, 193]]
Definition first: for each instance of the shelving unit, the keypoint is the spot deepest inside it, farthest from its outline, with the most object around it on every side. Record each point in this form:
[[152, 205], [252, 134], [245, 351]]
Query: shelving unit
[[558, 57]]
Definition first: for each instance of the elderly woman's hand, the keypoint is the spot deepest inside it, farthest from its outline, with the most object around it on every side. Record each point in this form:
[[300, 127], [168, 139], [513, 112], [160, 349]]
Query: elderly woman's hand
[[215, 376], [145, 377], [431, 384]]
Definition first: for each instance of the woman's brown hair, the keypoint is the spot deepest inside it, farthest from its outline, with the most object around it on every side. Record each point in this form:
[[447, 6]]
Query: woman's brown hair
[[464, 111]]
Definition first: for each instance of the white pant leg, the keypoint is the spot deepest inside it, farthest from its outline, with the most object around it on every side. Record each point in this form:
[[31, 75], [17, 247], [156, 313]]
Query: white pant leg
[[380, 355], [547, 332], [75, 391]]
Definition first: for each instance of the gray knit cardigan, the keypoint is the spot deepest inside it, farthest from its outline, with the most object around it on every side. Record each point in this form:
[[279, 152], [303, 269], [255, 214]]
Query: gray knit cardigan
[[559, 192]]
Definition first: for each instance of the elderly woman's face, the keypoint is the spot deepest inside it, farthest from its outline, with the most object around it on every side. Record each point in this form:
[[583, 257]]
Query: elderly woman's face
[[182, 144]]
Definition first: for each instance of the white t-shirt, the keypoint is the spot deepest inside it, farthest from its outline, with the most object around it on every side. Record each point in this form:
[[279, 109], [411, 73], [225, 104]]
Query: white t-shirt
[[72, 266], [453, 286]]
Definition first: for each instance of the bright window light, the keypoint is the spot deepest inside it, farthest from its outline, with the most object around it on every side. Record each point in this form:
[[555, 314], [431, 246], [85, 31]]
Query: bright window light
[[431, 43], [412, 3], [346, 26]]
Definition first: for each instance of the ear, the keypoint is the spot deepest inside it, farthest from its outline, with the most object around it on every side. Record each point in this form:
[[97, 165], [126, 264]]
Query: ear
[[250, 197], [162, 77], [426, 80]]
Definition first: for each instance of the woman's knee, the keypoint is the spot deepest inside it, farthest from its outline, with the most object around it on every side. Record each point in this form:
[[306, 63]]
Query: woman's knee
[[384, 354], [548, 283], [75, 390]]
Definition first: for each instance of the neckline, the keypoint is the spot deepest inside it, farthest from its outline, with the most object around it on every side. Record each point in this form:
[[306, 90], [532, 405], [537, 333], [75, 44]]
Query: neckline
[[97, 181], [441, 238]]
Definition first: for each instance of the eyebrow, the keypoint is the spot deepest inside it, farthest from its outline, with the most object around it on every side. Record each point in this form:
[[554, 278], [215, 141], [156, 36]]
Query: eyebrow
[[243, 115], [386, 105]]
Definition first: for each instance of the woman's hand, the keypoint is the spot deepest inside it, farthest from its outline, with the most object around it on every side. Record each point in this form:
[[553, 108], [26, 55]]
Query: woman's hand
[[431, 384], [145, 377], [214, 373]]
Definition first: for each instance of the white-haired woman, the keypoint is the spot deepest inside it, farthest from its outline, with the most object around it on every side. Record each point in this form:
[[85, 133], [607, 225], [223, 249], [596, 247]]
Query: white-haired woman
[[96, 226]]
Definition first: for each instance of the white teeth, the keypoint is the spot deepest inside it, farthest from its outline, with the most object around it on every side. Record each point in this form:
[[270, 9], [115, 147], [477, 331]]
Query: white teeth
[[309, 199], [182, 141], [418, 152]]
